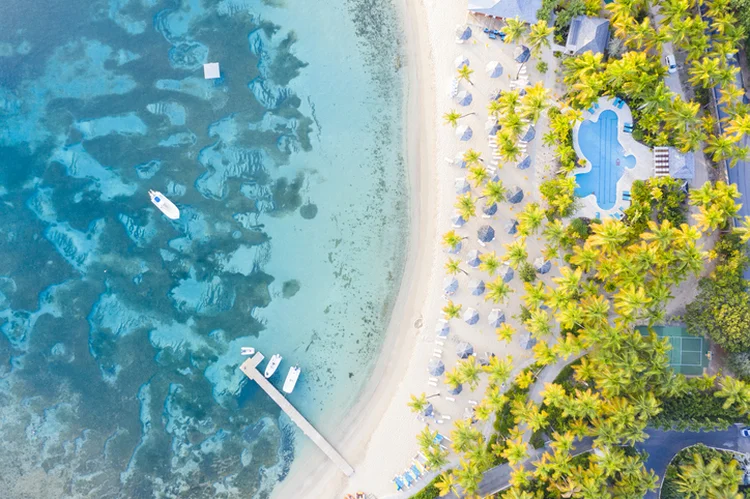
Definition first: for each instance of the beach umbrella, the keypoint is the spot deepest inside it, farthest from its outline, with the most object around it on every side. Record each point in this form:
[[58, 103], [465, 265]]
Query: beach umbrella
[[455, 390], [428, 411], [459, 160], [542, 266], [472, 259], [506, 273], [486, 234], [494, 69], [476, 287], [495, 94], [435, 367], [462, 186], [442, 329], [457, 220], [450, 285], [464, 350], [491, 126], [529, 134], [511, 226], [515, 195], [496, 317], [464, 132], [522, 53], [527, 341], [463, 98], [456, 250], [524, 163], [471, 316], [463, 32], [489, 209], [461, 61], [483, 361]]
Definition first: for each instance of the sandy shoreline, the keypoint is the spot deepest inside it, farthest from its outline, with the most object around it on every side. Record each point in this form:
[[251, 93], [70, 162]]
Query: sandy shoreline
[[383, 398]]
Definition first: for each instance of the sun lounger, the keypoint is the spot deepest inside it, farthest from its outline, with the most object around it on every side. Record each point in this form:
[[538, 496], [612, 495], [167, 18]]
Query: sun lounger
[[621, 103], [419, 465], [598, 215], [472, 402], [432, 383], [436, 355], [486, 30], [439, 421], [399, 483], [407, 480], [437, 350], [450, 399], [616, 101], [433, 379], [445, 416], [596, 105], [492, 36], [591, 109]]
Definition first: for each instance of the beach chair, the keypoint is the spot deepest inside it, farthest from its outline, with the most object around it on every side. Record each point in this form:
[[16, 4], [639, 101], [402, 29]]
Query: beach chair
[[616, 101], [598, 215], [596, 105], [486, 30], [492, 36], [450, 399], [415, 471], [620, 104], [399, 483], [432, 383], [407, 480], [591, 109], [419, 465]]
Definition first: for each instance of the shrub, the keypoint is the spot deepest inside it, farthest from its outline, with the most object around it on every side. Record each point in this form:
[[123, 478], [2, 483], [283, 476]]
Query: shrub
[[537, 439], [429, 492], [527, 272], [579, 228], [685, 458], [739, 363], [696, 409], [542, 67]]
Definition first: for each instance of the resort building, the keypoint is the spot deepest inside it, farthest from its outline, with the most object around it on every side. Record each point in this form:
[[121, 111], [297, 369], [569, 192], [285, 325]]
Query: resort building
[[525, 10], [668, 161], [587, 34]]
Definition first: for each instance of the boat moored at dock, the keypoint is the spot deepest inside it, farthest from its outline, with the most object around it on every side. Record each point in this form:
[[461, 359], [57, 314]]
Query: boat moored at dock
[[273, 364], [291, 379]]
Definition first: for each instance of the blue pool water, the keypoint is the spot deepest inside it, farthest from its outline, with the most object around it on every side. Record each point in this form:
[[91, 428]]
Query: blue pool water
[[120, 330], [599, 144]]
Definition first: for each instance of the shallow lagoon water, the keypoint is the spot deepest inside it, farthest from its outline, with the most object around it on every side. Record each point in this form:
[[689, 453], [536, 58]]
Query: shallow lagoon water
[[121, 330]]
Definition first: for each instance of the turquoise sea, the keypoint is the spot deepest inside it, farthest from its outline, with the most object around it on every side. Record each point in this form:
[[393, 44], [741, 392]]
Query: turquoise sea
[[121, 330]]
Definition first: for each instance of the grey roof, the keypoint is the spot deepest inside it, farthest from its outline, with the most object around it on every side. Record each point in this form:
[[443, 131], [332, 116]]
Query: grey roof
[[515, 195], [442, 328], [524, 163], [542, 266], [486, 233], [496, 317], [527, 341], [450, 285], [463, 98], [587, 33], [463, 350], [511, 226], [435, 367], [472, 259], [681, 165], [506, 273], [476, 287], [463, 32], [521, 53], [525, 10], [529, 134], [471, 316]]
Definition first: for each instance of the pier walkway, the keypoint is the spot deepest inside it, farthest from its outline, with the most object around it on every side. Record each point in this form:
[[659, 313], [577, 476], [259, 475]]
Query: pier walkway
[[250, 368]]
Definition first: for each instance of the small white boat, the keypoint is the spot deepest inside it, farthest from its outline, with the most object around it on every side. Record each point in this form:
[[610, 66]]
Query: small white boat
[[165, 205], [247, 351], [273, 364], [291, 379]]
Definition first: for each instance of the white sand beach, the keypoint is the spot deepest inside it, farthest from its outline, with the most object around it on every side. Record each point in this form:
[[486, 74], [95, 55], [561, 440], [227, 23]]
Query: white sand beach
[[378, 436]]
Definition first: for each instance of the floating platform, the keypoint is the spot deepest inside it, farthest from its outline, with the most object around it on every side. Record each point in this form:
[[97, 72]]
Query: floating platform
[[250, 369], [211, 71]]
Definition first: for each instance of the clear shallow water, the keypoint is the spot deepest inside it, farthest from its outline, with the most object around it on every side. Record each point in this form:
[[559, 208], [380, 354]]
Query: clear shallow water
[[599, 144], [120, 329]]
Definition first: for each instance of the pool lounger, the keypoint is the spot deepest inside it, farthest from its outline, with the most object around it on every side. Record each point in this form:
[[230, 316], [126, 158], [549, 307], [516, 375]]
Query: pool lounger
[[399, 483], [616, 101], [598, 215], [591, 109], [408, 479], [415, 471], [596, 105], [492, 36], [620, 104]]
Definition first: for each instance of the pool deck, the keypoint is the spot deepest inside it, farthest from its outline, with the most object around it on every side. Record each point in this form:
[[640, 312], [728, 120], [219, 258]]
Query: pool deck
[[250, 369], [644, 163]]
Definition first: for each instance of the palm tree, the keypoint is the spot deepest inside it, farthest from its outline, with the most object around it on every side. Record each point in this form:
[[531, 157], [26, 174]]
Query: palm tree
[[744, 230], [515, 451], [517, 253], [499, 370], [463, 435], [469, 371], [451, 117], [466, 205], [472, 157], [451, 239], [497, 290], [735, 392], [451, 310], [538, 36], [530, 219], [446, 483], [453, 267], [489, 263], [426, 438], [464, 73], [469, 477], [418, 404], [720, 146], [436, 458], [704, 72], [453, 378], [513, 29], [478, 174], [494, 192], [699, 479], [505, 332]]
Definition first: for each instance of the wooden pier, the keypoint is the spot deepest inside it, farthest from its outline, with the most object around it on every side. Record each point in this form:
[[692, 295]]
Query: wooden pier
[[250, 368]]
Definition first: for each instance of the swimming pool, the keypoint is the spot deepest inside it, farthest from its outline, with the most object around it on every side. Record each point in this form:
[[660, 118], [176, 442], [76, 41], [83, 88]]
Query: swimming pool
[[598, 143]]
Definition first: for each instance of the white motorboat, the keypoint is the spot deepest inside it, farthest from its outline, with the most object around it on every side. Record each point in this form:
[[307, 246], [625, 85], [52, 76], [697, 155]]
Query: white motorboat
[[291, 379], [273, 364], [247, 351], [165, 205]]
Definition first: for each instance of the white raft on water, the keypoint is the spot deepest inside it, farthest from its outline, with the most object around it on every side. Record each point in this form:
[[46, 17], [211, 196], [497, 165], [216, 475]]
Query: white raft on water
[[291, 379], [165, 205]]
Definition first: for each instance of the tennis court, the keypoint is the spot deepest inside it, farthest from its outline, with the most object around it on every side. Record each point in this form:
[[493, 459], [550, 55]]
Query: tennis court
[[689, 354]]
